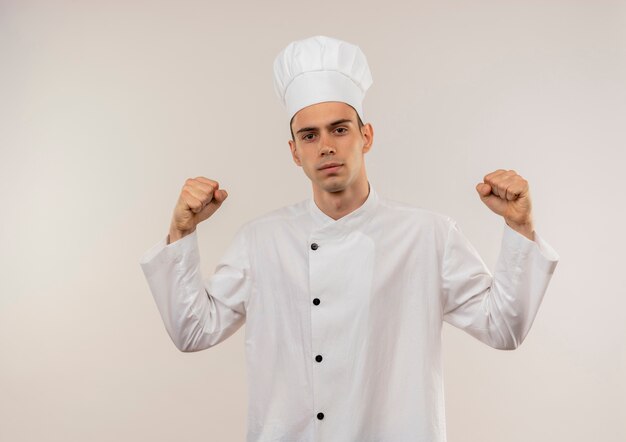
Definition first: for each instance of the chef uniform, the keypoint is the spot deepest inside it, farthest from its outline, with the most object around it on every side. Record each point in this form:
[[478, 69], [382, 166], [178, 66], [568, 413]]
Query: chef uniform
[[343, 317]]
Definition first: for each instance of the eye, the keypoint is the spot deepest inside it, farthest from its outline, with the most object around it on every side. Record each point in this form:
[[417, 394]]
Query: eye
[[341, 130], [308, 137]]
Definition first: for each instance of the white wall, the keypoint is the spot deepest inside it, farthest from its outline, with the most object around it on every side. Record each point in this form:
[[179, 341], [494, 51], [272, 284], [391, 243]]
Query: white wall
[[107, 107]]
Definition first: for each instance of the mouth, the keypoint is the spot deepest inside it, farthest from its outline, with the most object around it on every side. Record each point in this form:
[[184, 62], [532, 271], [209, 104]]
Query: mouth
[[330, 167]]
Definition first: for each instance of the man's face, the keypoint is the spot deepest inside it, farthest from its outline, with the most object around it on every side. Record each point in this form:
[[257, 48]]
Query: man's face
[[329, 146]]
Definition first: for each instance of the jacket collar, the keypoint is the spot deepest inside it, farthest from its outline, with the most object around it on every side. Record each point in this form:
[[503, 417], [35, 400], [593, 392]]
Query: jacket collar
[[325, 226]]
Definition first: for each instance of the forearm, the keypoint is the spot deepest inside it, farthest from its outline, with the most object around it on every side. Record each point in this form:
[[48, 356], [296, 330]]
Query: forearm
[[521, 277], [172, 272]]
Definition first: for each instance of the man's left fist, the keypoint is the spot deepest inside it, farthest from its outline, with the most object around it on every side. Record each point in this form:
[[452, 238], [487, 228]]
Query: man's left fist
[[506, 193]]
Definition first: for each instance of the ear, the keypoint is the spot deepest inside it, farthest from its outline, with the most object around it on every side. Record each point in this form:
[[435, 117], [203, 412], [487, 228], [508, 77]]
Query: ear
[[294, 153], [368, 134]]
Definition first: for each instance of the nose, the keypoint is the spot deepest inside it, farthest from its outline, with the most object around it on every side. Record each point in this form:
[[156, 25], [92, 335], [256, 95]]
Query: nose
[[327, 147]]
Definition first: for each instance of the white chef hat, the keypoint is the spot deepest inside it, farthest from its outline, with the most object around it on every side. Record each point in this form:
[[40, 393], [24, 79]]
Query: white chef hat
[[320, 69]]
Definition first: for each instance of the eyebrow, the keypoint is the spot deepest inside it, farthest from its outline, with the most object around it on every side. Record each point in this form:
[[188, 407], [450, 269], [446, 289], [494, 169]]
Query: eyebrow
[[334, 123]]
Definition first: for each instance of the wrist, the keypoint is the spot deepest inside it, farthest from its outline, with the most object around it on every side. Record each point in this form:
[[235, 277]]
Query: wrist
[[527, 229], [176, 234]]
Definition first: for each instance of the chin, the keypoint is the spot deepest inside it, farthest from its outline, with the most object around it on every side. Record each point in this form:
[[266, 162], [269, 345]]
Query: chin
[[333, 187]]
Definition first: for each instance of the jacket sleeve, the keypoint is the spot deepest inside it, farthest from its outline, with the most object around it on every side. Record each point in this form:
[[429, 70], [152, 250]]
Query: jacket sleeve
[[497, 309], [198, 312]]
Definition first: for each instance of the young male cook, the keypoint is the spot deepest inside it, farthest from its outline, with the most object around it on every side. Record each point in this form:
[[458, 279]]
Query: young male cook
[[344, 294]]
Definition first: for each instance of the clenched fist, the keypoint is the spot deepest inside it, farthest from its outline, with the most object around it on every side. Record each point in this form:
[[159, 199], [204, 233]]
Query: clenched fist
[[506, 193], [199, 199]]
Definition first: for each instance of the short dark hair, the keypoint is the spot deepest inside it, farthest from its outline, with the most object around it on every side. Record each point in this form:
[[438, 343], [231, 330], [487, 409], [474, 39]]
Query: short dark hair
[[358, 118]]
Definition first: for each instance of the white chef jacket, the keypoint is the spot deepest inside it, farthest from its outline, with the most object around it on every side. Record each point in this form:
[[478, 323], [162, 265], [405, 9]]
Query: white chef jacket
[[343, 317]]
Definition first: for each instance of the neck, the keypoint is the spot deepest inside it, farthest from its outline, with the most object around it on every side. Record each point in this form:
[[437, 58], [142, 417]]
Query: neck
[[341, 203]]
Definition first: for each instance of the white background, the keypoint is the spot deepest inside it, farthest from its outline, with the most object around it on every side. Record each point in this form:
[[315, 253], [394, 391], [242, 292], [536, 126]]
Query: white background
[[107, 107]]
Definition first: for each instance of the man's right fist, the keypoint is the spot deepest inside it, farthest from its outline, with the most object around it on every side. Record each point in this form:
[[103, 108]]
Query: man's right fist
[[199, 199]]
